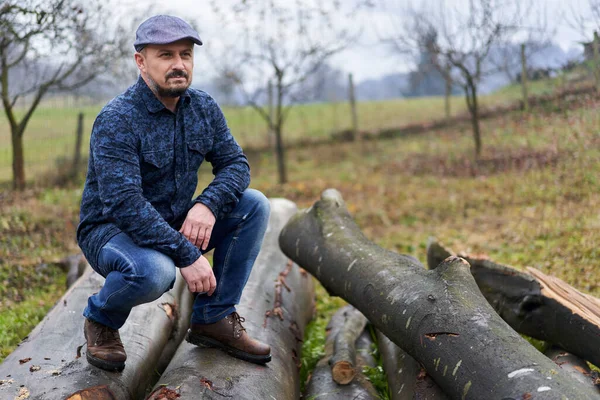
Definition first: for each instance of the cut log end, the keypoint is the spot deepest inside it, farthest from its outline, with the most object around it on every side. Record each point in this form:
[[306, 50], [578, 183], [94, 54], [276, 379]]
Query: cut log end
[[93, 393], [343, 372]]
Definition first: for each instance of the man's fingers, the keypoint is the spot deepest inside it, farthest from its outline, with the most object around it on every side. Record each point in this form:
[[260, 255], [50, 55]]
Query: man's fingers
[[194, 235], [212, 284], [200, 237], [206, 238], [186, 230]]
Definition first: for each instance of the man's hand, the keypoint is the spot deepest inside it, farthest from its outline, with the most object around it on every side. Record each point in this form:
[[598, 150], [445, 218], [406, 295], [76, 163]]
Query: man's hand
[[198, 225], [199, 277]]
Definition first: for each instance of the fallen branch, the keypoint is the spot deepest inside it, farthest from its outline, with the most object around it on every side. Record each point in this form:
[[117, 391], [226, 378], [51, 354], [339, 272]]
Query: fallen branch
[[535, 304], [338, 375]]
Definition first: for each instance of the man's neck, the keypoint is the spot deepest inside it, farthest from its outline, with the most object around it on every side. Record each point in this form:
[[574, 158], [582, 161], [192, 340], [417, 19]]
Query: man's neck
[[169, 102]]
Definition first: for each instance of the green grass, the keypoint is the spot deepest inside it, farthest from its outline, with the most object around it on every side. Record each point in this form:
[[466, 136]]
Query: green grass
[[25, 301], [50, 135]]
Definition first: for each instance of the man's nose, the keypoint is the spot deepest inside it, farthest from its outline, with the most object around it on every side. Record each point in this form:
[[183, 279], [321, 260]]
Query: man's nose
[[178, 63]]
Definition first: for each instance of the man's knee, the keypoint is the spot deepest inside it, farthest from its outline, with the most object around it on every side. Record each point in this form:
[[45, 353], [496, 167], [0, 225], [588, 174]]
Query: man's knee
[[257, 202], [156, 275]]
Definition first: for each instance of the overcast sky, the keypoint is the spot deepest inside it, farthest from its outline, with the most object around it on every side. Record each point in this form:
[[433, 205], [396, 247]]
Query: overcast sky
[[368, 58]]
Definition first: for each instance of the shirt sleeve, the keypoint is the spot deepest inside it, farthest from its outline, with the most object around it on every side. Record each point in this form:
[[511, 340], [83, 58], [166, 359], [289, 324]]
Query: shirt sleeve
[[230, 166], [115, 149]]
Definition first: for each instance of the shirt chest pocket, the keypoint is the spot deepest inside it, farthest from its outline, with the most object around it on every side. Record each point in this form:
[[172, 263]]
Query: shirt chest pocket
[[156, 164], [197, 151]]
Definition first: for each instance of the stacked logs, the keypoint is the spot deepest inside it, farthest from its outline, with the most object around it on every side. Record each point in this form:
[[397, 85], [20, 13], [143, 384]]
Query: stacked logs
[[278, 302]]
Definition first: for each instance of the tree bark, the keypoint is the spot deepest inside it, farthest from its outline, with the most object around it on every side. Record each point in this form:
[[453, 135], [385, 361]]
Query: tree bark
[[275, 316], [535, 304], [48, 364], [18, 163], [439, 317], [347, 346], [406, 379], [280, 151]]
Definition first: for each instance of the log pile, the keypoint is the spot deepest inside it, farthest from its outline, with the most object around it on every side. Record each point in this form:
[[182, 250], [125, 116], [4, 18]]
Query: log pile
[[49, 363], [278, 302], [439, 317], [447, 332]]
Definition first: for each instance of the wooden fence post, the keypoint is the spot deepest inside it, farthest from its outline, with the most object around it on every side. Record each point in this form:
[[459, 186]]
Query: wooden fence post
[[77, 155], [524, 79], [596, 47], [352, 99]]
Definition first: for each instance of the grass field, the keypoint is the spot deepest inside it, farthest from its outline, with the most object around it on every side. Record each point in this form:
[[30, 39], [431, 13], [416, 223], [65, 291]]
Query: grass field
[[532, 200], [50, 135]]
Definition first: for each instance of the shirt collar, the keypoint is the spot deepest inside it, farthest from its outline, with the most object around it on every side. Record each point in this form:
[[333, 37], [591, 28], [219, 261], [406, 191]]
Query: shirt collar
[[152, 103]]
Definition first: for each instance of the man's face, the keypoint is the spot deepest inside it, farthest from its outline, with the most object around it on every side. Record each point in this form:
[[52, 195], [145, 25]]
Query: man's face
[[167, 68]]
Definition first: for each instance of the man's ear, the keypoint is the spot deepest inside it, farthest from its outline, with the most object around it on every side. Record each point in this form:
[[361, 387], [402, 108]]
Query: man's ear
[[140, 61]]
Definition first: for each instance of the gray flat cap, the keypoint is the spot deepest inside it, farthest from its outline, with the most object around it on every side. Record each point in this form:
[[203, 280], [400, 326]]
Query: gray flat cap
[[163, 29]]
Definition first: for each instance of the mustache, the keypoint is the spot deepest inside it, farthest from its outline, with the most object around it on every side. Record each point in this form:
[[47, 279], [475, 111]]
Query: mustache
[[176, 74]]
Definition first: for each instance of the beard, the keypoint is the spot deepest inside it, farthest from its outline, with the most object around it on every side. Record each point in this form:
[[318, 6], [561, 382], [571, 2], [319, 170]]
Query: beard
[[170, 91]]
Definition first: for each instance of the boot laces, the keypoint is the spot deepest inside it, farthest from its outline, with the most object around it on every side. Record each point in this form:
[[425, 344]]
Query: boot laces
[[106, 334], [237, 324]]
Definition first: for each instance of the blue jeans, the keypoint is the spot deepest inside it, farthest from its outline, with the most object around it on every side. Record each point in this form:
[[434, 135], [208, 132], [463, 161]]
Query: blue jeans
[[137, 275]]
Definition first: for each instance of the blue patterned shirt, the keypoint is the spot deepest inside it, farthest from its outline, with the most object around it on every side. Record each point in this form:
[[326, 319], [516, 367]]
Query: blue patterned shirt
[[143, 171]]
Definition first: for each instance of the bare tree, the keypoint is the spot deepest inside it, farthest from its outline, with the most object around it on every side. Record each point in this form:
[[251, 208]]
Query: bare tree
[[583, 16], [465, 35], [284, 42], [57, 45]]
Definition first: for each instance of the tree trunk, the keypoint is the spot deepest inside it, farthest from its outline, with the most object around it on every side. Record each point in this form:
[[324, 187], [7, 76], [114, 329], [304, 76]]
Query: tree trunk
[[596, 51], [573, 365], [475, 120], [278, 132], [524, 79], [448, 80], [439, 317], [535, 304], [352, 100], [344, 347], [280, 152], [48, 363], [18, 163], [276, 313], [78, 140], [406, 379]]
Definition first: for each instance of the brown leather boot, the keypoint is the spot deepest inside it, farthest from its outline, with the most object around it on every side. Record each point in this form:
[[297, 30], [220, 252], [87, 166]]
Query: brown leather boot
[[228, 334], [104, 347]]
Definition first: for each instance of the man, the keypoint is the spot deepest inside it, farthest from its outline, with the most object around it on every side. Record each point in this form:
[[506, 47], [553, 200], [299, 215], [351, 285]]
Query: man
[[139, 220]]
